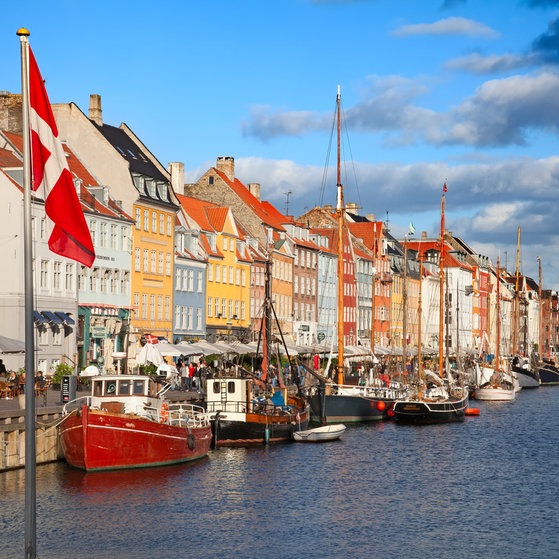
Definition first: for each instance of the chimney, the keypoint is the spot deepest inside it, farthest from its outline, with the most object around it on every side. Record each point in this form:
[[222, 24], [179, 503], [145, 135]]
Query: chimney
[[423, 234], [226, 165], [254, 189], [352, 207], [371, 217], [176, 170], [95, 111]]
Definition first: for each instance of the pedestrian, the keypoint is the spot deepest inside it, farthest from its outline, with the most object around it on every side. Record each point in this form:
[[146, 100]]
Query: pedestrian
[[191, 374]]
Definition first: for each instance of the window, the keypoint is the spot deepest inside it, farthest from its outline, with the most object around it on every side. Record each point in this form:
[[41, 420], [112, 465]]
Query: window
[[210, 269], [114, 236], [153, 261], [217, 273], [169, 228], [138, 218], [144, 306], [224, 243], [200, 282], [154, 222], [44, 277], [167, 307], [146, 220], [152, 307], [210, 306], [168, 264], [161, 224], [69, 277], [160, 263], [124, 239], [137, 264], [231, 275], [198, 319], [160, 307], [104, 239], [190, 286], [57, 275]]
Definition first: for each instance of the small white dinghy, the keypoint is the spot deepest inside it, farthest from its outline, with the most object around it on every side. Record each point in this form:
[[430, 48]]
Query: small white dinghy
[[319, 434]]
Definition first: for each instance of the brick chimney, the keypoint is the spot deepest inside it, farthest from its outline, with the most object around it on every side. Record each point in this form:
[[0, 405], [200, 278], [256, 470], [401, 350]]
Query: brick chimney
[[176, 170], [95, 111], [254, 189], [226, 164]]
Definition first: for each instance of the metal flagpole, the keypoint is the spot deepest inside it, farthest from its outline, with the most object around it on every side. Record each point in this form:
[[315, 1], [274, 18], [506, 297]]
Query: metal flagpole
[[30, 450]]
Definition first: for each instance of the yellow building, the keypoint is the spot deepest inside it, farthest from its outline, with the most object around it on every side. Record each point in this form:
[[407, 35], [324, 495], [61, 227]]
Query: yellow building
[[152, 269], [228, 269]]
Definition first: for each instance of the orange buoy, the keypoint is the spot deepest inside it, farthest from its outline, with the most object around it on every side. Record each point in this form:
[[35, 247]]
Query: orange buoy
[[381, 406], [472, 411]]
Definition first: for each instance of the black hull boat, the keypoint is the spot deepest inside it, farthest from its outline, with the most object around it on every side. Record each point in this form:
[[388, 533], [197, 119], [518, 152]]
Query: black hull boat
[[241, 417], [528, 377], [426, 411], [353, 404], [549, 373]]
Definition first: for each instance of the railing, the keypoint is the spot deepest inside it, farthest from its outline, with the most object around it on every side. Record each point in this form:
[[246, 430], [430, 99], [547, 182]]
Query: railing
[[185, 415], [75, 404]]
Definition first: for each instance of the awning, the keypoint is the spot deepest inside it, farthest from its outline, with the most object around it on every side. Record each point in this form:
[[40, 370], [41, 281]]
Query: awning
[[39, 318], [52, 318], [65, 317]]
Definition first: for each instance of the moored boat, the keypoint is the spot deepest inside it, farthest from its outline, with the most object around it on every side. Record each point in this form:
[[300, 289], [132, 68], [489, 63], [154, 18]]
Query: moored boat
[[126, 422], [241, 417], [439, 398], [320, 434]]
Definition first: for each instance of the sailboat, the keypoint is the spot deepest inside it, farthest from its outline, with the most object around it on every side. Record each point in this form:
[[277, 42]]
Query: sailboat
[[439, 398], [493, 381], [247, 410], [338, 402], [528, 377]]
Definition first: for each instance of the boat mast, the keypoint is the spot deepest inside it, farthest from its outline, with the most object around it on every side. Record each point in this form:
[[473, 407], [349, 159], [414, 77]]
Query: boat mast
[[405, 308], [540, 329], [419, 324], [516, 306], [340, 215], [442, 301], [498, 324]]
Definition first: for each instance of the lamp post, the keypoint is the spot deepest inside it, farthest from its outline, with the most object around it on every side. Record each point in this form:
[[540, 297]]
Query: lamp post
[[229, 326]]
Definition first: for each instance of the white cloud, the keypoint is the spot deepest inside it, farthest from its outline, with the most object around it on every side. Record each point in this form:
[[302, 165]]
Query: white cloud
[[447, 26]]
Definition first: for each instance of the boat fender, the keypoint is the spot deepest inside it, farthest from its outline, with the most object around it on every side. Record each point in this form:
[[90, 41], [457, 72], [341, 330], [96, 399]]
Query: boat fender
[[191, 441], [164, 413]]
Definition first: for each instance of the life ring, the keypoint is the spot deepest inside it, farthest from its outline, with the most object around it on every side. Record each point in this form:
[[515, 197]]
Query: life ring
[[164, 413]]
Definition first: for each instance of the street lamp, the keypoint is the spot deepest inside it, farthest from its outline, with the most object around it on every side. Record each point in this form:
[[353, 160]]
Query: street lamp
[[229, 326]]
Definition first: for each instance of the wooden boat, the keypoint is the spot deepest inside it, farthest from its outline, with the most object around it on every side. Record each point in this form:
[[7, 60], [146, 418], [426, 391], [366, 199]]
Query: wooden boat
[[240, 416], [340, 401], [126, 422], [494, 381], [439, 398], [246, 410], [320, 434], [549, 373], [521, 367]]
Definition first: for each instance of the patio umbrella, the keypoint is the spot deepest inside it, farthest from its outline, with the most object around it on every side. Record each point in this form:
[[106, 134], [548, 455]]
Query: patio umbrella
[[9, 345], [166, 348], [149, 354]]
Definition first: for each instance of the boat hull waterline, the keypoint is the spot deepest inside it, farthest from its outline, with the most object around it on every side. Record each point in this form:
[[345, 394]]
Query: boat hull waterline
[[320, 434], [426, 412], [95, 440]]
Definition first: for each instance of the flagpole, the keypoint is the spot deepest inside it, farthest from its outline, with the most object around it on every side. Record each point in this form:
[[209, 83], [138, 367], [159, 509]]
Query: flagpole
[[30, 450]]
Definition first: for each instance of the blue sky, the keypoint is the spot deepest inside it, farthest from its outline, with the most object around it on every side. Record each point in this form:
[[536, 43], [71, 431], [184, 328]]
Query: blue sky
[[465, 91]]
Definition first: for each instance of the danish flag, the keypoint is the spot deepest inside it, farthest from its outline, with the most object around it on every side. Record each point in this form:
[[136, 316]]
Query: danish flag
[[70, 235]]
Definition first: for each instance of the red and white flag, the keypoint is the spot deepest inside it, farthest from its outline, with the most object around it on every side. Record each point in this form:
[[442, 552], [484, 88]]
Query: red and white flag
[[70, 235]]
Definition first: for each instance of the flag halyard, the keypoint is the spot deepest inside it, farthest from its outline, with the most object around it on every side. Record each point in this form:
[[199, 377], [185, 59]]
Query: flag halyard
[[70, 235]]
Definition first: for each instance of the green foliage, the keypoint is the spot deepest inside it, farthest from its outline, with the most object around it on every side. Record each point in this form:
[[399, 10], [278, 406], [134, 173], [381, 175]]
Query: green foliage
[[148, 369], [62, 369]]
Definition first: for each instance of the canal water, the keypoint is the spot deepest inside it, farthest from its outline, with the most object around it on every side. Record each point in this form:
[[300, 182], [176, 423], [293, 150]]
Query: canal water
[[486, 488]]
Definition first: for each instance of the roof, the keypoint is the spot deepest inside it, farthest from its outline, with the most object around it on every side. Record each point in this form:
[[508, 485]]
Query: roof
[[130, 151], [265, 211]]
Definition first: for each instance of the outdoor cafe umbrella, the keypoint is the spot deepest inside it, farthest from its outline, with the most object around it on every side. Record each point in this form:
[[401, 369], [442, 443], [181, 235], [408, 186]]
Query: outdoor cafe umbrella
[[149, 354], [9, 345]]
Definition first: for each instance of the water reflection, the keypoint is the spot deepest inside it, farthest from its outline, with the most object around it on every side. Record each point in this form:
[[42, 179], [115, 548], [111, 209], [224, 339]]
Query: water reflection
[[479, 489]]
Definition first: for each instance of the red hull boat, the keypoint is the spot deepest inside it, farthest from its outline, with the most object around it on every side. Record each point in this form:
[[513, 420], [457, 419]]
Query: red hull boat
[[126, 423]]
